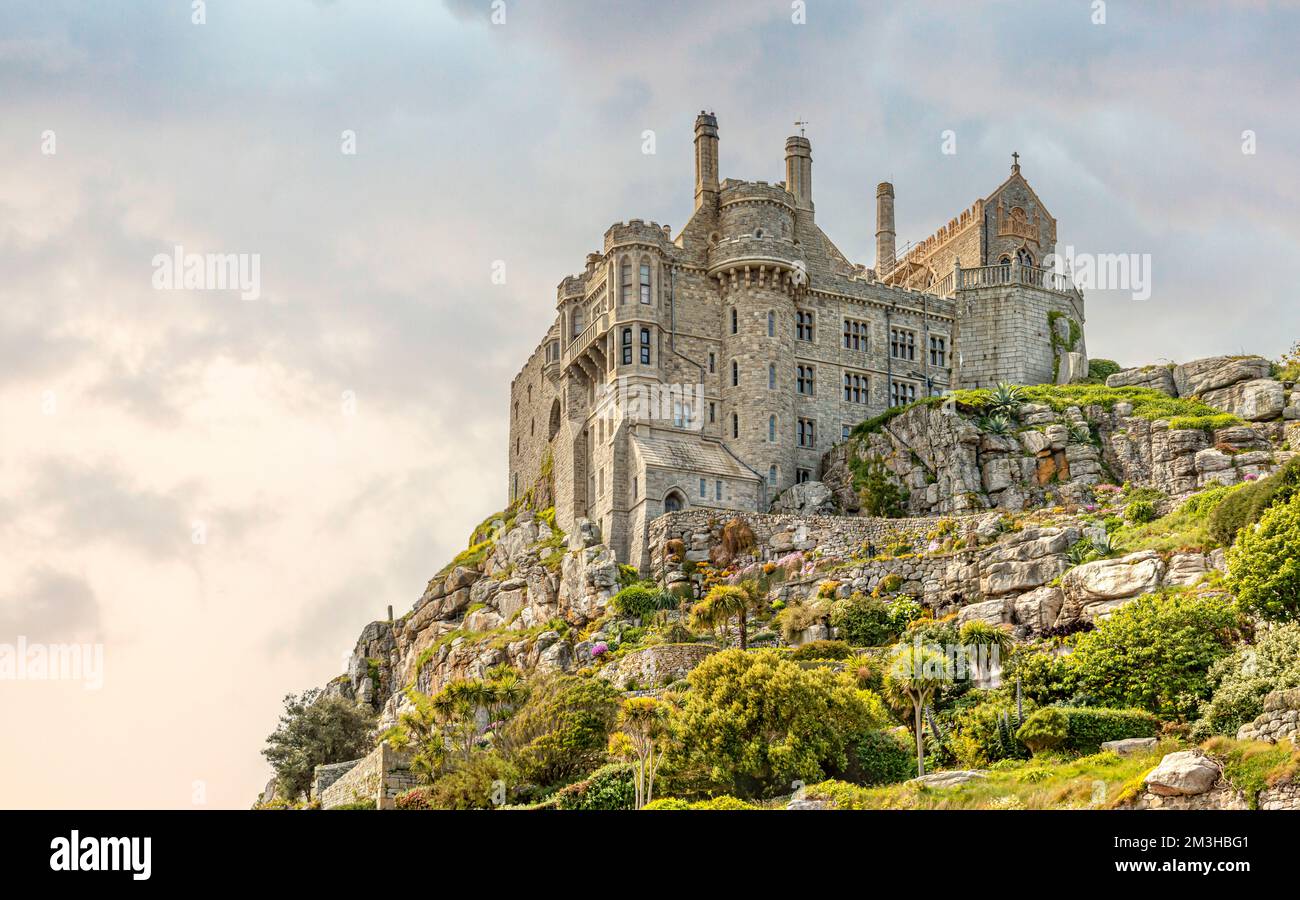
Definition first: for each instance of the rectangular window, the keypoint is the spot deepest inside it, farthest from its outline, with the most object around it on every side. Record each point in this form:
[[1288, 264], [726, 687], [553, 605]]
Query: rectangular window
[[807, 433], [645, 282], [633, 488], [627, 346], [577, 322], [704, 488], [856, 335], [771, 476], [846, 431], [804, 325], [717, 491], [645, 346], [802, 475], [625, 282], [902, 344], [804, 380], [857, 388], [901, 393], [938, 351], [713, 412], [713, 363]]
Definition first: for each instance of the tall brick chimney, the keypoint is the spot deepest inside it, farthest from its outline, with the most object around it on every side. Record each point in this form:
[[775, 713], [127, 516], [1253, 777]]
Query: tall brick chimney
[[706, 160], [885, 261]]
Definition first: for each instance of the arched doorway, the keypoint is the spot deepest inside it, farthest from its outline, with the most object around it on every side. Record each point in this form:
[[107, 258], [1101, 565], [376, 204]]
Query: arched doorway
[[674, 501]]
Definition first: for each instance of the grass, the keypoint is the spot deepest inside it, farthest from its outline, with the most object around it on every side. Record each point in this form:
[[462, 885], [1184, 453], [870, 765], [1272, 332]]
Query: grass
[[1187, 527], [1252, 766], [1096, 781]]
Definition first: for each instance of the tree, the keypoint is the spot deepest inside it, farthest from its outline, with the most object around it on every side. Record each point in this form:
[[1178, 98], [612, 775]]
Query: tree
[[753, 723], [643, 724], [1264, 563], [315, 730], [725, 602], [642, 600], [1155, 652], [915, 674], [988, 643]]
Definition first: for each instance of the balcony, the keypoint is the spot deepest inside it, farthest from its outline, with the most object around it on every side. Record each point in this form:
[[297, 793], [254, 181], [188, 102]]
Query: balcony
[[584, 341], [1001, 275]]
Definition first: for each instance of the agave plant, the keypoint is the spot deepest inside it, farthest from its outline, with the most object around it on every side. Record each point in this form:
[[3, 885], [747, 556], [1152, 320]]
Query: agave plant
[[1005, 399], [1080, 433], [997, 424]]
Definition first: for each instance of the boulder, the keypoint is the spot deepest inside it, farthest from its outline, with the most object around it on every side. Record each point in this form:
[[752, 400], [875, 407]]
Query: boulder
[[1013, 577], [994, 612], [809, 498], [1212, 373], [1158, 378], [1129, 746], [1258, 400], [948, 779], [1093, 589], [1038, 609], [1183, 774], [1073, 368], [1186, 568]]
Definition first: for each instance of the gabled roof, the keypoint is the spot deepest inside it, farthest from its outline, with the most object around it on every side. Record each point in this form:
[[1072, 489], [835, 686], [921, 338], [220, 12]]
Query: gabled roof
[[691, 453]]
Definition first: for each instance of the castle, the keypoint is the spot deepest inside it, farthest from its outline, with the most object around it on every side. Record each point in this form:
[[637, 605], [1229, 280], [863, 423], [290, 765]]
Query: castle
[[714, 368]]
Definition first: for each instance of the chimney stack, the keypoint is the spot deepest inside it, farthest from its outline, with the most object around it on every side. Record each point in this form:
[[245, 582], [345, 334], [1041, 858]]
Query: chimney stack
[[885, 261], [706, 160], [798, 170]]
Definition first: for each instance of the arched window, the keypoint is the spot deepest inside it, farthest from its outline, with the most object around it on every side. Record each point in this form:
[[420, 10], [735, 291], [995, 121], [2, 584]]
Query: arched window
[[645, 346], [1024, 257], [735, 374], [625, 281], [554, 426], [771, 429], [771, 323], [771, 376], [627, 346], [771, 476], [674, 501], [645, 280], [735, 321]]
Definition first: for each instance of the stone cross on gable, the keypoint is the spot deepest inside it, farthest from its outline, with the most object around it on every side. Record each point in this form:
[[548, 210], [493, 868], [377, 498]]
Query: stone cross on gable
[[1015, 162]]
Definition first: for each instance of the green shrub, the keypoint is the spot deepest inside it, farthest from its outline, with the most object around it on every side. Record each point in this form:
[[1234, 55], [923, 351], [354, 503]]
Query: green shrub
[[1088, 727], [754, 722], [672, 803], [1139, 512], [609, 787], [1264, 564], [986, 733], [1247, 505], [1242, 680], [865, 621], [642, 600], [822, 650], [881, 758], [1155, 652], [473, 785], [1101, 369], [356, 804], [562, 729], [1046, 729]]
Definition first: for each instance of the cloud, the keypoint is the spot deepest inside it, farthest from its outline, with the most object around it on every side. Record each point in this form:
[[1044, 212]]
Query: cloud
[[49, 606]]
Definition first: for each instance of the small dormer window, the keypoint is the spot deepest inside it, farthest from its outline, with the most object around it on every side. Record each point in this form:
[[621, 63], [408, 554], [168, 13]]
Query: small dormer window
[[758, 232]]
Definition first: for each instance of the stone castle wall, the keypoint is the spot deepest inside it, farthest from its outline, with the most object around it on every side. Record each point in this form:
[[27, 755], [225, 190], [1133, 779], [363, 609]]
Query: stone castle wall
[[379, 776]]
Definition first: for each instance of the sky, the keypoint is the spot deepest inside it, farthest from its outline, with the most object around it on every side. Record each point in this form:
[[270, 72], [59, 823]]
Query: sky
[[220, 491]]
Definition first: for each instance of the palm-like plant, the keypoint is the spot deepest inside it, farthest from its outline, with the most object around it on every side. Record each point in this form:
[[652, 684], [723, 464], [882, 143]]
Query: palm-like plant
[[985, 640], [914, 676], [725, 602], [997, 424], [1005, 399], [644, 722]]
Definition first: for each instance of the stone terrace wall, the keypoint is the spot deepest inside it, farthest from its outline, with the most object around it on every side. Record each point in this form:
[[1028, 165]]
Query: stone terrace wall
[[1280, 719], [380, 776], [780, 533]]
